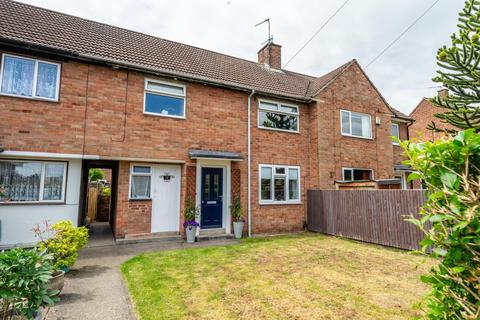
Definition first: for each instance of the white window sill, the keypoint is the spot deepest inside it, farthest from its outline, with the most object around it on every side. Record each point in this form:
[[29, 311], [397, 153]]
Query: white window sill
[[359, 137], [281, 130], [27, 97], [269, 203], [163, 115], [32, 202]]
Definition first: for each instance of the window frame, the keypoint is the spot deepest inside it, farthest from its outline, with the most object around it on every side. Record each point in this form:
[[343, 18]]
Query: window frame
[[398, 131], [349, 168], [166, 94], [35, 78], [272, 200], [42, 182], [132, 174], [350, 122], [260, 126]]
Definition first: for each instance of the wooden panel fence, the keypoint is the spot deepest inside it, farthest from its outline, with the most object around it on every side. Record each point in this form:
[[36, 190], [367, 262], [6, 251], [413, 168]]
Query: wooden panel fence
[[92, 202], [375, 216]]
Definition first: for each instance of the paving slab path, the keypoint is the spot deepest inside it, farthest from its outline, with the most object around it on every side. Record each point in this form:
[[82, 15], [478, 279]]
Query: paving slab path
[[94, 289]]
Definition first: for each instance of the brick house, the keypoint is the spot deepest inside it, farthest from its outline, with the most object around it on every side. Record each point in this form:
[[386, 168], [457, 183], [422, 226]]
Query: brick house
[[424, 115], [174, 122]]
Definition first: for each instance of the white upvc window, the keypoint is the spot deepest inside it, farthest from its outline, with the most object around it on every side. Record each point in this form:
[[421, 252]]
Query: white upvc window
[[395, 132], [357, 174], [279, 184], [278, 116], [356, 124], [24, 181], [29, 78], [164, 99], [140, 181]]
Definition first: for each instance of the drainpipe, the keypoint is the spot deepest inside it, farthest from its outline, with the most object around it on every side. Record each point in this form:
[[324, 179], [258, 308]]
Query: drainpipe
[[249, 191]]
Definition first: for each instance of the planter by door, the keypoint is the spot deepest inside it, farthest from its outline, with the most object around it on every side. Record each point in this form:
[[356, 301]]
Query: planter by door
[[191, 233], [212, 198], [57, 281], [238, 229]]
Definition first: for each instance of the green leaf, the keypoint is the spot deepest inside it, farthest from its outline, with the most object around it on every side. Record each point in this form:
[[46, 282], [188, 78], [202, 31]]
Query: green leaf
[[440, 252], [457, 269], [448, 178]]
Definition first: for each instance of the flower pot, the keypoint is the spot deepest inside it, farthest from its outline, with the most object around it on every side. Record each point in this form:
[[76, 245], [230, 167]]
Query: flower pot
[[191, 233], [57, 281], [238, 229]]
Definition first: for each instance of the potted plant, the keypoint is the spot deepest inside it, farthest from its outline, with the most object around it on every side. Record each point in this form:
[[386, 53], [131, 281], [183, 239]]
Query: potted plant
[[238, 221], [24, 280], [191, 224], [62, 240]]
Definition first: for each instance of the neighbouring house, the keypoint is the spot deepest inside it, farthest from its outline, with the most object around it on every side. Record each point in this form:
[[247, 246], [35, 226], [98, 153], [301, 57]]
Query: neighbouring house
[[423, 115], [174, 122]]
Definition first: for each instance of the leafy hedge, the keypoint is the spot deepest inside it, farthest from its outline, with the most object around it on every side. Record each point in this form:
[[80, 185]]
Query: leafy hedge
[[450, 169]]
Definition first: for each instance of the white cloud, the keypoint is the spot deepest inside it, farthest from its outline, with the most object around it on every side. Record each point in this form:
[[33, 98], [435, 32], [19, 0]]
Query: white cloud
[[361, 30]]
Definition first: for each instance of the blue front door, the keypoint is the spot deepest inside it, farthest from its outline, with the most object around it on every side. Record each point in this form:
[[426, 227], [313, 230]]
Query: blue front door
[[212, 198]]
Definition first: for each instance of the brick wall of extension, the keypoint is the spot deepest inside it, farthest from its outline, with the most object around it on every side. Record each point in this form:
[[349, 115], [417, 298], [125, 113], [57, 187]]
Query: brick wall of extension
[[100, 112]]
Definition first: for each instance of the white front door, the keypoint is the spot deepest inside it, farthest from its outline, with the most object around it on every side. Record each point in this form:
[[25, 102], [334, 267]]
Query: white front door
[[166, 198]]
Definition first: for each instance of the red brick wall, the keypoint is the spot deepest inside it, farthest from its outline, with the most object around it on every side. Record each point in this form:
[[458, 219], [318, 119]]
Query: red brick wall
[[423, 115], [133, 217], [398, 156], [353, 92]]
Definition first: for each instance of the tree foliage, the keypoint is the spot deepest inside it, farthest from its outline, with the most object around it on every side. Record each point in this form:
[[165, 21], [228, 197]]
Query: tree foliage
[[460, 72], [95, 174], [450, 220]]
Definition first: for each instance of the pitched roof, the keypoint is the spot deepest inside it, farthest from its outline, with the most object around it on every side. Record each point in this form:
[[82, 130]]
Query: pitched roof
[[401, 115], [89, 39]]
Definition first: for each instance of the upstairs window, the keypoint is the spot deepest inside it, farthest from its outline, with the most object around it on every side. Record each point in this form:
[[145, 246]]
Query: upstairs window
[[353, 174], [32, 181], [30, 78], [395, 132], [277, 116], [279, 184], [140, 182], [356, 124], [164, 99]]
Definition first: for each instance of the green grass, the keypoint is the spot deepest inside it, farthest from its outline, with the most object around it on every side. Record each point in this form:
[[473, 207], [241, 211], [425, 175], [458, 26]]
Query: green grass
[[305, 276]]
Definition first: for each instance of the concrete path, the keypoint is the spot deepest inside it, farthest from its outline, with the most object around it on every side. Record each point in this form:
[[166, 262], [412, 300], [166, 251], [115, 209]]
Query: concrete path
[[94, 289]]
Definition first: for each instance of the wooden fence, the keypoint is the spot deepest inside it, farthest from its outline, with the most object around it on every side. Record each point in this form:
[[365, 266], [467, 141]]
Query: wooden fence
[[375, 216]]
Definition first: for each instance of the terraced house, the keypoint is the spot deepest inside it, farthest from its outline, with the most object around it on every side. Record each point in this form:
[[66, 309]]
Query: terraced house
[[175, 122]]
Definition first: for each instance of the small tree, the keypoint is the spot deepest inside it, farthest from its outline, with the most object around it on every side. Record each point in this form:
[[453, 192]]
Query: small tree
[[95, 174], [451, 222], [460, 73]]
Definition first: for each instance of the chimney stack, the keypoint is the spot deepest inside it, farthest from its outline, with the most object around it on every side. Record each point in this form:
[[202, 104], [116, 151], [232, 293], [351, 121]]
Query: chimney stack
[[443, 93], [271, 55]]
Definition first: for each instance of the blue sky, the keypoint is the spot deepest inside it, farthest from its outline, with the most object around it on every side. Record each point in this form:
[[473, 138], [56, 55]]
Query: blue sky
[[361, 30]]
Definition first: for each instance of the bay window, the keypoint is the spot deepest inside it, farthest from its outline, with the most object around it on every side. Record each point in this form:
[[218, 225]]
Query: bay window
[[140, 182], [32, 181], [30, 78], [277, 116], [356, 124], [279, 184]]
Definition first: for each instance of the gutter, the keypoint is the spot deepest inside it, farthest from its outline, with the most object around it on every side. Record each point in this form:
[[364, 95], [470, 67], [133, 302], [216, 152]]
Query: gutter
[[249, 165]]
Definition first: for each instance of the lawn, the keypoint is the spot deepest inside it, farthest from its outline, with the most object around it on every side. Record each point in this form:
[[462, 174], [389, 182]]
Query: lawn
[[304, 276]]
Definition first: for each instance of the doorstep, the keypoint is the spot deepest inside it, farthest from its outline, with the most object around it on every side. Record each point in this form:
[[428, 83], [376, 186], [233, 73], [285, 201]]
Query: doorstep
[[213, 234], [164, 236]]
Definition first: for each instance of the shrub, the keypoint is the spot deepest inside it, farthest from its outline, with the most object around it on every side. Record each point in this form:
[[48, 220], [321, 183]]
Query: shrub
[[450, 220], [106, 191], [62, 240], [24, 280], [190, 213], [236, 208], [95, 174]]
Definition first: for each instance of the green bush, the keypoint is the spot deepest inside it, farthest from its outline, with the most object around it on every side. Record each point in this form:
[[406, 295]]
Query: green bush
[[450, 169], [24, 280], [95, 174], [106, 191], [62, 240]]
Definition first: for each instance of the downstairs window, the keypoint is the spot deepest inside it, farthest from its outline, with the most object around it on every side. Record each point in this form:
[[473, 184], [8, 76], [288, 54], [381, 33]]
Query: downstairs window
[[279, 184], [32, 181]]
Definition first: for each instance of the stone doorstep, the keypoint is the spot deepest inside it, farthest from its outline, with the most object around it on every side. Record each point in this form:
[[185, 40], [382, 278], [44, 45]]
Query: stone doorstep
[[213, 234], [167, 236]]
